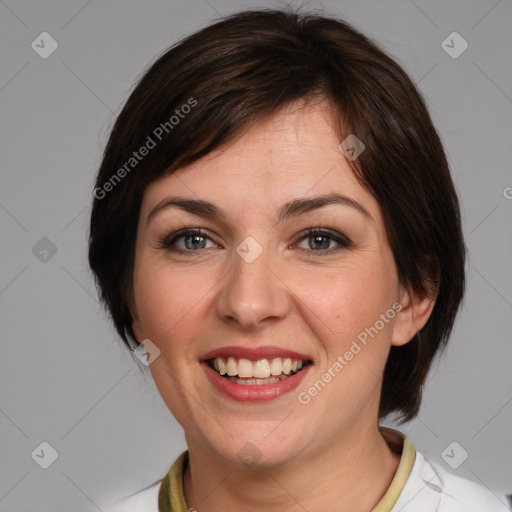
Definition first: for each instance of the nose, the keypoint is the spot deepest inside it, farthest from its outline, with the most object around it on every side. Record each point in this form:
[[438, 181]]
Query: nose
[[252, 294]]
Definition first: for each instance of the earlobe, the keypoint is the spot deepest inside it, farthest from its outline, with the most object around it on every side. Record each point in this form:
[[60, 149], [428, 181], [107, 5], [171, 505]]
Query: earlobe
[[137, 331], [136, 326], [416, 310]]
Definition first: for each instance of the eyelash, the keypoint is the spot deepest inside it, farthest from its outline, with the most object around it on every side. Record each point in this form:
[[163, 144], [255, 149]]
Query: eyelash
[[168, 241]]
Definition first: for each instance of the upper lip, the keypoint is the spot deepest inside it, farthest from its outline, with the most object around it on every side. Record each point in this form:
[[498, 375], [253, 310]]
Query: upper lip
[[254, 354]]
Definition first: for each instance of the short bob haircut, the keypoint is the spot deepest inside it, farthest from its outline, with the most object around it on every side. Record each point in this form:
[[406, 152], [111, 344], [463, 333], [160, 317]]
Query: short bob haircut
[[209, 89]]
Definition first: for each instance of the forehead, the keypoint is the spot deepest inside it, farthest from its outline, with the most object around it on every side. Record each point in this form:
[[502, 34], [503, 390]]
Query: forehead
[[291, 154]]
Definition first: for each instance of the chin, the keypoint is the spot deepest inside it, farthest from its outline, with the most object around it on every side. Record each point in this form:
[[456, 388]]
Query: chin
[[255, 447]]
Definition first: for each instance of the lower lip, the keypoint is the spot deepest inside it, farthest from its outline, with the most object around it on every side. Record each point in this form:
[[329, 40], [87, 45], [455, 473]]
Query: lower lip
[[254, 392]]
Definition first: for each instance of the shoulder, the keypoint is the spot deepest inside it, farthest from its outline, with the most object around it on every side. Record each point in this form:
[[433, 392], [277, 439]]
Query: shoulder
[[144, 501], [447, 492], [469, 496]]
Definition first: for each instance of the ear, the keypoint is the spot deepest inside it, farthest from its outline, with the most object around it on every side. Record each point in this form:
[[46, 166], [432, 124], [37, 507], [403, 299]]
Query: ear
[[136, 325], [412, 317]]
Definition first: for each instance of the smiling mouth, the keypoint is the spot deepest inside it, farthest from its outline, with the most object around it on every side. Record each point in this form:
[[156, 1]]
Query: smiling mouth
[[262, 371]]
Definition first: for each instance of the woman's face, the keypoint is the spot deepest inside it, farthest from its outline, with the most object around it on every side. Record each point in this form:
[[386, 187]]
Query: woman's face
[[252, 285]]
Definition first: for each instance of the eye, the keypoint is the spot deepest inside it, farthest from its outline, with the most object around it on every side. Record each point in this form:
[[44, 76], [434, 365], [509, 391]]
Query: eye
[[187, 240], [321, 241]]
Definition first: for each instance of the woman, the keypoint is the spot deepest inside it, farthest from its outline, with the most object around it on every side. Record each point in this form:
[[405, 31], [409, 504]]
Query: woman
[[276, 234]]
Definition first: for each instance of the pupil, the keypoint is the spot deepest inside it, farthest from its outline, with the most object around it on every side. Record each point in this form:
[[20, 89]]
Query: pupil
[[322, 241], [196, 241]]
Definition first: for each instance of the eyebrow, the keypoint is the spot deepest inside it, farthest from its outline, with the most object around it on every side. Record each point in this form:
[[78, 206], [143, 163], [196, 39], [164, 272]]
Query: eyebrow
[[292, 208]]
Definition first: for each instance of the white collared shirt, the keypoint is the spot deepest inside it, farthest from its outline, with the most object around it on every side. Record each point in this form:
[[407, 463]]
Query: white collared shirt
[[430, 488]]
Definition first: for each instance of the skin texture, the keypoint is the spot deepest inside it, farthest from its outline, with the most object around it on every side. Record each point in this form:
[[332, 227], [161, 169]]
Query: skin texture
[[328, 454]]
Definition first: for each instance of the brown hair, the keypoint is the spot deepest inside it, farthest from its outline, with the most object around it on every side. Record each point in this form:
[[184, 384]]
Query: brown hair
[[252, 64]]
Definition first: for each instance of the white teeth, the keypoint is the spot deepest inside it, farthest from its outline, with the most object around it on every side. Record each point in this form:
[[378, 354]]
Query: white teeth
[[222, 365], [262, 370], [276, 368], [245, 368], [232, 367], [258, 382]]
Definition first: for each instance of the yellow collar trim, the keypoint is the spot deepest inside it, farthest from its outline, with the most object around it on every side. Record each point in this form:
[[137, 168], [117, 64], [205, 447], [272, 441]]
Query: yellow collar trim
[[170, 495], [395, 438]]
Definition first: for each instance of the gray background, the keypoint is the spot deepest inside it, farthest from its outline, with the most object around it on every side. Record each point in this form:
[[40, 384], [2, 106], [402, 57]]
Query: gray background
[[65, 377]]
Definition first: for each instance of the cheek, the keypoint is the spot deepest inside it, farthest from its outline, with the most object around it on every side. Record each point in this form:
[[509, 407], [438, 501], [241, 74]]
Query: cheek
[[169, 304], [351, 315], [348, 300], [167, 300]]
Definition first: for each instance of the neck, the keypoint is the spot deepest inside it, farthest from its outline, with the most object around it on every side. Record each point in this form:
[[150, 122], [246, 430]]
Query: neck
[[350, 473]]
